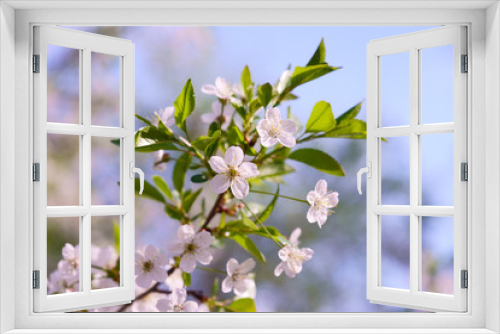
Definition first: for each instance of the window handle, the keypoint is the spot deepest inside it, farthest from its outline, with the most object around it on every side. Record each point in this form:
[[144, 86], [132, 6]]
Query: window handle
[[368, 171], [139, 171]]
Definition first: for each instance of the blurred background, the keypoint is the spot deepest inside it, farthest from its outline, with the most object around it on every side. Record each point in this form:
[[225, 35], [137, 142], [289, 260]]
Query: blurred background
[[335, 279]]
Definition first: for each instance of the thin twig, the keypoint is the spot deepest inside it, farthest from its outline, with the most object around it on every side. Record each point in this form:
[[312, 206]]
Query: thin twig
[[263, 226], [213, 211], [283, 196]]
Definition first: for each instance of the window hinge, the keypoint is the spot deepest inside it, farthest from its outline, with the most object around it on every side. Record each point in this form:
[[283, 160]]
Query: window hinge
[[36, 172], [36, 63], [465, 279], [464, 171], [36, 279], [465, 64]]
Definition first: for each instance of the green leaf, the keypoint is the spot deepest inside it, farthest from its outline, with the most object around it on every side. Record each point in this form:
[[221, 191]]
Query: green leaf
[[247, 244], [173, 212], [234, 135], [163, 186], [184, 105], [247, 222], [272, 230], [349, 115], [319, 55], [148, 122], [355, 129], [186, 277], [199, 178], [189, 200], [215, 286], [271, 170], [265, 94], [149, 191], [301, 75], [156, 147], [321, 119], [202, 142], [242, 305], [246, 82], [115, 142], [152, 132], [319, 160], [210, 149], [180, 169], [269, 209], [116, 235]]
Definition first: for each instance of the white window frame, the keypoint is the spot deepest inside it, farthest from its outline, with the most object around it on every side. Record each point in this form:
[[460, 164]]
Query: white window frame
[[483, 21]]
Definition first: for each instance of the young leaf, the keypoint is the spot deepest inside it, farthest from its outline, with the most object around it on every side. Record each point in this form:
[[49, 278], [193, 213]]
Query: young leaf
[[242, 305], [115, 142], [173, 212], [148, 122], [152, 132], [163, 186], [202, 142], [156, 147], [186, 277], [319, 55], [321, 119], [149, 191], [265, 94], [116, 234], [246, 82], [349, 114], [189, 200], [184, 105], [199, 178], [180, 169], [248, 223], [355, 129], [319, 160], [269, 209], [301, 75], [247, 244], [234, 135]]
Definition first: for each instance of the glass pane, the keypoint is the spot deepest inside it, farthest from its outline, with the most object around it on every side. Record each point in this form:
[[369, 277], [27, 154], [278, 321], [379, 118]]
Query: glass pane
[[437, 169], [395, 89], [105, 252], [63, 170], [105, 89], [105, 171], [437, 84], [63, 84], [437, 254], [395, 241], [63, 256], [395, 171]]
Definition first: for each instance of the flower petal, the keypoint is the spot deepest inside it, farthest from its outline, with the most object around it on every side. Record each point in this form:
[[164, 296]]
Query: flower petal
[[208, 117], [203, 239], [204, 257], [308, 253], [283, 252], [333, 199], [150, 252], [279, 269], [175, 247], [185, 232], [268, 141], [287, 139], [311, 214], [209, 89], [190, 306], [188, 263], [234, 156], [231, 266], [321, 187], [158, 275], [162, 259], [273, 114], [248, 169], [284, 81], [312, 197], [240, 187], [68, 252], [288, 125], [143, 280], [241, 286], [263, 127], [227, 284], [219, 183], [218, 164], [178, 296], [294, 237], [164, 305], [247, 266]]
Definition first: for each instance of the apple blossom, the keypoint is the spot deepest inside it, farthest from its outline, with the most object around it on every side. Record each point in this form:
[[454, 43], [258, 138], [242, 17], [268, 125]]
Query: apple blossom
[[292, 256], [232, 171], [222, 89], [273, 130], [321, 201], [214, 116], [176, 302], [238, 276], [166, 116], [191, 247], [149, 267], [285, 80]]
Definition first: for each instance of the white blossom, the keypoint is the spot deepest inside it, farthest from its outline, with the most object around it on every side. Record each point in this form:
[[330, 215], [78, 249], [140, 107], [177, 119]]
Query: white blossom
[[176, 302], [292, 256], [232, 171], [69, 265], [321, 202], [222, 89], [149, 266], [215, 115], [273, 130], [166, 116], [285, 80], [238, 278], [192, 247], [239, 92]]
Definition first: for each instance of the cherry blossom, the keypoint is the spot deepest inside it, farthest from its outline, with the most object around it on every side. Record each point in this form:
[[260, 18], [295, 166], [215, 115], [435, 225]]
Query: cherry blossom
[[166, 116], [238, 278], [321, 201], [284, 81], [149, 266], [232, 171], [292, 256], [273, 130], [192, 247], [69, 265], [222, 89], [176, 302], [214, 116]]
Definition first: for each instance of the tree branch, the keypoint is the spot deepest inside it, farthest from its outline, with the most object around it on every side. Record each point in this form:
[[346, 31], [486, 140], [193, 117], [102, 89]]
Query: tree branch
[[213, 211]]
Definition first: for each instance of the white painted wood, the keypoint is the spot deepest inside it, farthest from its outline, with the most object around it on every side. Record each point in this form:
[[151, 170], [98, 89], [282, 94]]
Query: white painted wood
[[86, 43], [264, 14], [414, 298]]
